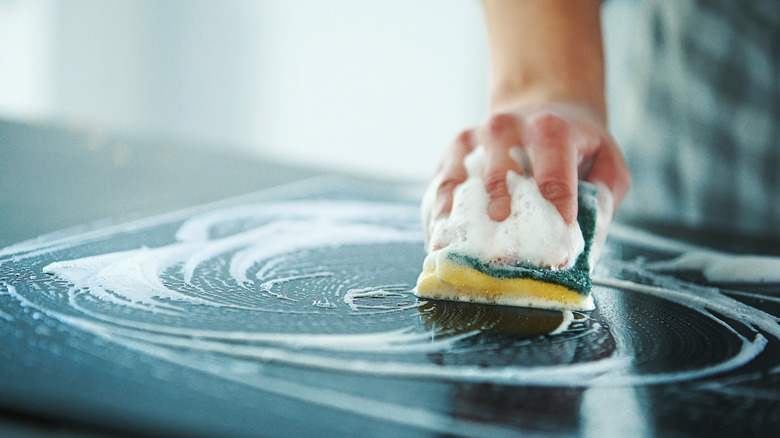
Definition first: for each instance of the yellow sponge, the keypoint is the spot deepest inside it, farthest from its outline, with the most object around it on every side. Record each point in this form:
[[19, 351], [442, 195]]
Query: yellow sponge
[[451, 276]]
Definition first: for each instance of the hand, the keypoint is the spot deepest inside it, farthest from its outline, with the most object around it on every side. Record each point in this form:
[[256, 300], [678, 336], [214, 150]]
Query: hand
[[563, 143]]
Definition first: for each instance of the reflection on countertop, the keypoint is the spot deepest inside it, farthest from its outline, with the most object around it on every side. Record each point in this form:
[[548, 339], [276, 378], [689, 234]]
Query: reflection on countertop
[[297, 303]]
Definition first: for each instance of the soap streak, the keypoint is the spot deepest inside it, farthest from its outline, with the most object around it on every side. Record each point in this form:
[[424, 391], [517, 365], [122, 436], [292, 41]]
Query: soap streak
[[568, 318], [703, 298], [720, 267], [253, 252], [267, 286], [143, 335], [373, 292]]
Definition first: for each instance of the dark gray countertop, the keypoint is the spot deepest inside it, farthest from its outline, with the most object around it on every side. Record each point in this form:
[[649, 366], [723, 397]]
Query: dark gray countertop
[[54, 178], [62, 179], [664, 354]]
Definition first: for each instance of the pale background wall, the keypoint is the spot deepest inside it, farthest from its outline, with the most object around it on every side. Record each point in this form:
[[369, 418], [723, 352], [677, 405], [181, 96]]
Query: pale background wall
[[364, 86]]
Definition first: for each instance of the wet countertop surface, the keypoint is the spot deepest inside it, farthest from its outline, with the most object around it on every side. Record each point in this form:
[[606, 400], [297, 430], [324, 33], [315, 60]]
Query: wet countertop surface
[[217, 295]]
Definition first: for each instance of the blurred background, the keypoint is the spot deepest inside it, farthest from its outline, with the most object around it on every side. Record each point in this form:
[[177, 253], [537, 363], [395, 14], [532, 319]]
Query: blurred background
[[372, 88]]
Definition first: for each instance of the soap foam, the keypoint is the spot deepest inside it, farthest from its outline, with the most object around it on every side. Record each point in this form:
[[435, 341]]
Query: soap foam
[[534, 233], [132, 280], [718, 267]]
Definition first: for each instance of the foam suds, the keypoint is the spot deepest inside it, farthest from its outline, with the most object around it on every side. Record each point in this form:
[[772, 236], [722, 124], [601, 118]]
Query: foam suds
[[568, 318], [718, 267], [133, 278], [127, 278], [352, 297], [534, 233], [11, 291], [701, 299], [715, 266], [531, 259], [327, 286]]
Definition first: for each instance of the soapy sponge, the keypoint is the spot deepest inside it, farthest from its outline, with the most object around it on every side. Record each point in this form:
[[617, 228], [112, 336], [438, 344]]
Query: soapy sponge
[[450, 275]]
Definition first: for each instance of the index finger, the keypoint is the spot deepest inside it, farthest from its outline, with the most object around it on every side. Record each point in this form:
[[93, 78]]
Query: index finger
[[453, 172], [500, 134]]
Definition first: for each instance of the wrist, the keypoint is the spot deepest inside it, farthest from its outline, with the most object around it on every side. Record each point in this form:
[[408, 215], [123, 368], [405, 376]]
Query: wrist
[[546, 51], [523, 91]]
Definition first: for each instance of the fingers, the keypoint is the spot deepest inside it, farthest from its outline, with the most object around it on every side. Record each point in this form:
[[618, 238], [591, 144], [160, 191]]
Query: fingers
[[551, 144], [609, 167], [560, 148], [453, 172], [499, 135]]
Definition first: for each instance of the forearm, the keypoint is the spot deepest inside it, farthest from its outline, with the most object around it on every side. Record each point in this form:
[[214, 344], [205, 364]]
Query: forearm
[[546, 51]]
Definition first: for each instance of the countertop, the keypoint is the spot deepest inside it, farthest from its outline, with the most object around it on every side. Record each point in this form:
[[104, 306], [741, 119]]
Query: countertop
[[148, 288]]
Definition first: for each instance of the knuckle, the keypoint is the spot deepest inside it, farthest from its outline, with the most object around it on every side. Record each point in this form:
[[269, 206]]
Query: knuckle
[[547, 118], [556, 190], [498, 124], [464, 138], [447, 186], [462, 144], [548, 124], [495, 184], [453, 170], [444, 197]]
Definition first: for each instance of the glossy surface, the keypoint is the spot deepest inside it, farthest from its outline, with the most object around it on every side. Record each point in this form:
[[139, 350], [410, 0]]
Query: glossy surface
[[290, 312]]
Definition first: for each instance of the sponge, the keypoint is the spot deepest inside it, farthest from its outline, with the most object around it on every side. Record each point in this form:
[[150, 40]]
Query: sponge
[[450, 275]]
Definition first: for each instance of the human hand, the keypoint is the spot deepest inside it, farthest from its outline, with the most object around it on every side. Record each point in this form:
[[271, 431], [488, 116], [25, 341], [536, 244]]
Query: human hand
[[559, 144]]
